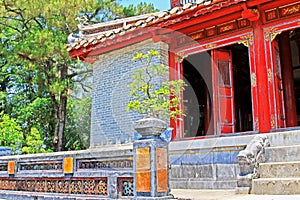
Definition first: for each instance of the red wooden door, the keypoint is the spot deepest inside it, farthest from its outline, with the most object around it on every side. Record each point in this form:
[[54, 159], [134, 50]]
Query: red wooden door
[[278, 89], [223, 97]]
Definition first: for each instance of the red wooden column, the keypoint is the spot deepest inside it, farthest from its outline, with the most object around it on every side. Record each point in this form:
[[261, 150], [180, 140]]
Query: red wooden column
[[262, 78], [172, 76], [288, 81], [175, 73]]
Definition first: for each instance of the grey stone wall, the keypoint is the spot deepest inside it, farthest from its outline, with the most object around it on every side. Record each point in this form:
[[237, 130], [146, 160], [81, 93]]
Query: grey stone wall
[[110, 123], [206, 164]]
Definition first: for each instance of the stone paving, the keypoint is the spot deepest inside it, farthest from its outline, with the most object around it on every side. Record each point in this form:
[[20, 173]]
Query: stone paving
[[183, 194]]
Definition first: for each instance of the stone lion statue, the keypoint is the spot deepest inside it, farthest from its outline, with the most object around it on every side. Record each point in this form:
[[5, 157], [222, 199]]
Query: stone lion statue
[[249, 159]]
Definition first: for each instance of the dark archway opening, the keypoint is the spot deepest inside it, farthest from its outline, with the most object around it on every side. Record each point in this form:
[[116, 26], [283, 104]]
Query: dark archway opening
[[197, 101], [198, 110], [242, 88], [295, 51]]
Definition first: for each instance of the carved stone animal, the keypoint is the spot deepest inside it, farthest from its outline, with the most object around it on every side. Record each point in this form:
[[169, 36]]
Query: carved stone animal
[[252, 155]]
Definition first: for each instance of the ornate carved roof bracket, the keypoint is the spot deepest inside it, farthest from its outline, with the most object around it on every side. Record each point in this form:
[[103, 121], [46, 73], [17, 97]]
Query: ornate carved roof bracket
[[250, 14], [246, 40], [182, 56], [271, 34]]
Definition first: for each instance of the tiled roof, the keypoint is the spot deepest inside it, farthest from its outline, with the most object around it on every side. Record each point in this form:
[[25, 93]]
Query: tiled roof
[[98, 33]]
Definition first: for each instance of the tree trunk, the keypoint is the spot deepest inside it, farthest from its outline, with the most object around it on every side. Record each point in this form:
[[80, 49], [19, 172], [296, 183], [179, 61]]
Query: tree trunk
[[61, 121], [61, 112], [55, 123]]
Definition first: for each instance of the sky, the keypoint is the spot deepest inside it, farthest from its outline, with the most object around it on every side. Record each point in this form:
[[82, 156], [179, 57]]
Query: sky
[[159, 4]]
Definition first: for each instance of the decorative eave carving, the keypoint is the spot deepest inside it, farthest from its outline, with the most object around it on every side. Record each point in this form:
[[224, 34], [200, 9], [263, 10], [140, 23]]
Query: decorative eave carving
[[182, 57], [246, 40], [271, 34]]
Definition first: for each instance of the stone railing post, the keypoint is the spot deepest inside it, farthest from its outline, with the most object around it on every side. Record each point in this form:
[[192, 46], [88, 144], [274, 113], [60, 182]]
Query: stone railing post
[[151, 174]]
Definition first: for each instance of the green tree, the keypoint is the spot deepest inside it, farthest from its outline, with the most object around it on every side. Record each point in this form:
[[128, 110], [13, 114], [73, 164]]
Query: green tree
[[10, 134], [34, 61], [141, 8], [33, 142], [151, 90]]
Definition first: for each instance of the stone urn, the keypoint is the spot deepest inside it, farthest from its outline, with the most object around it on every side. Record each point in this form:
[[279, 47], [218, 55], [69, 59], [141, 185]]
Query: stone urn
[[150, 126]]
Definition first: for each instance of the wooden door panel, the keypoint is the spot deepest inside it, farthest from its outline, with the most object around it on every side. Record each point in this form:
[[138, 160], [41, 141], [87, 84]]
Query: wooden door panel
[[225, 110], [223, 91]]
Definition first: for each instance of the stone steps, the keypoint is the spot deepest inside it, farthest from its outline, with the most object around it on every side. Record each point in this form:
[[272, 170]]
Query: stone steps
[[276, 186], [280, 174], [208, 184], [283, 153], [280, 169], [287, 138]]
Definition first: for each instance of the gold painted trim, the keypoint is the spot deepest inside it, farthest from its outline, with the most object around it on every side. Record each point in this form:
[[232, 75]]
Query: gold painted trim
[[246, 40], [271, 34], [182, 57], [253, 80], [256, 124], [290, 10], [209, 46], [272, 121], [270, 75]]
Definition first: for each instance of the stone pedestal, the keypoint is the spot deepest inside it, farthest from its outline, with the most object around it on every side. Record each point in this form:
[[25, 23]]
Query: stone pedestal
[[151, 178]]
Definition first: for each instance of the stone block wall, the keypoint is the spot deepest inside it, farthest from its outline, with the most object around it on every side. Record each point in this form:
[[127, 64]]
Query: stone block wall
[[206, 164], [113, 71]]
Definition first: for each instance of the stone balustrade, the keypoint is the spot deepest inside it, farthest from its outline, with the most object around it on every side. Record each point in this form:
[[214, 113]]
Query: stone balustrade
[[95, 173]]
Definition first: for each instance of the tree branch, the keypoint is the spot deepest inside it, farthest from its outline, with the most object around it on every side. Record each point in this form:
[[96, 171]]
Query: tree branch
[[94, 14], [79, 73], [38, 23], [14, 28]]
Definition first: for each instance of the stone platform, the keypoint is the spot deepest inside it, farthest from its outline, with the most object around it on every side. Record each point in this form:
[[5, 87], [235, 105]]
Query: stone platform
[[195, 164], [183, 194]]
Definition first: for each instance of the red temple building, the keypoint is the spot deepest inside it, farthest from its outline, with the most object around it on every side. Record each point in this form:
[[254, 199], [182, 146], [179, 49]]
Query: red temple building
[[241, 62], [241, 59]]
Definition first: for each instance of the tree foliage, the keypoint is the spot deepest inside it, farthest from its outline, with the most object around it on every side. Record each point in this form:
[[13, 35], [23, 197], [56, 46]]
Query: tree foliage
[[37, 77], [33, 142], [152, 93], [10, 133], [78, 127]]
